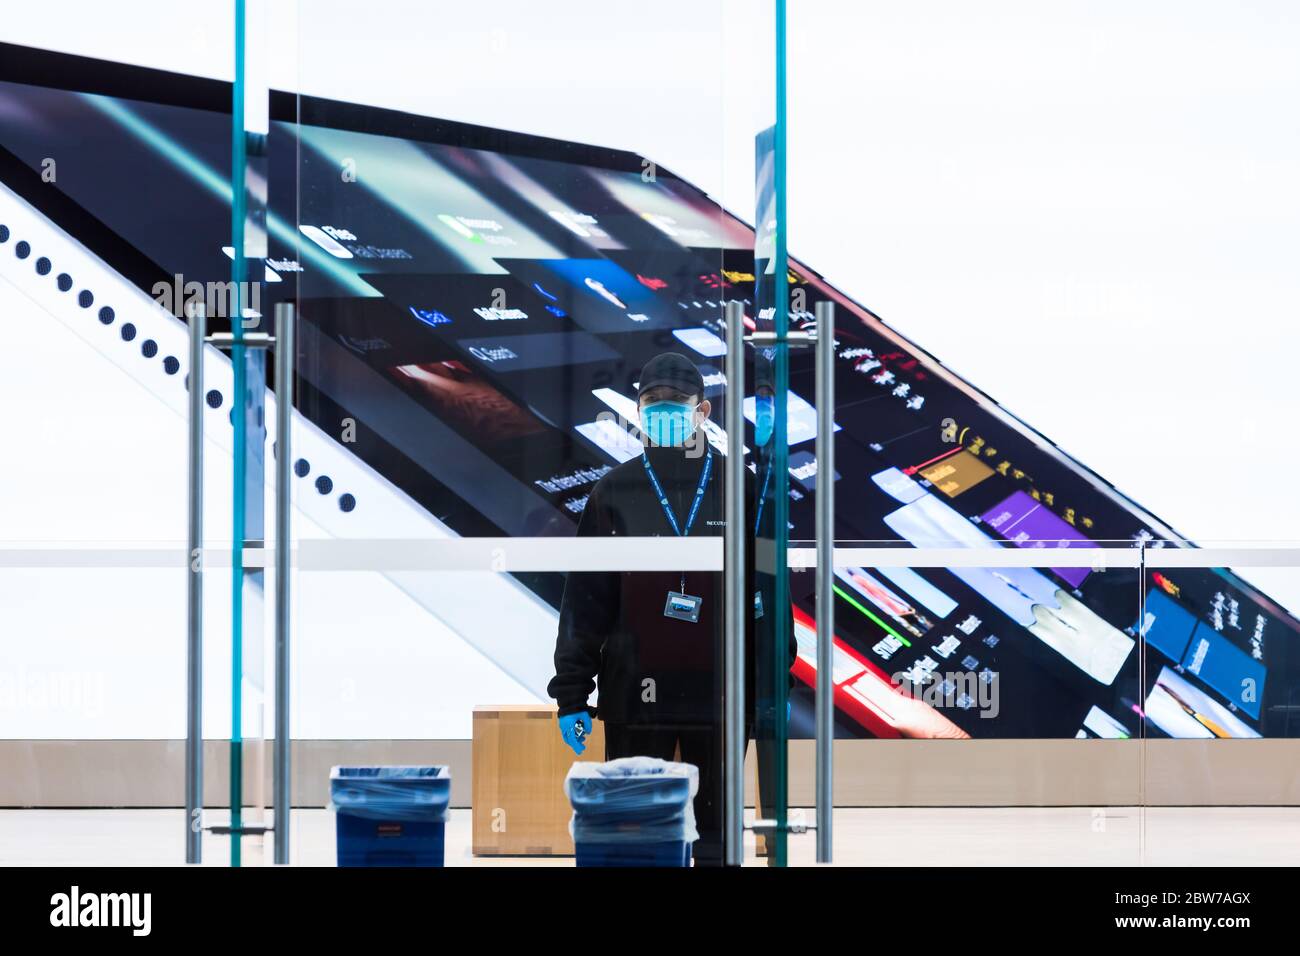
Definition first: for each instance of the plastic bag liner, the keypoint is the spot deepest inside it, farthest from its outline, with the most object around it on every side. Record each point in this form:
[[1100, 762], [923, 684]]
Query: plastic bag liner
[[633, 800], [391, 793]]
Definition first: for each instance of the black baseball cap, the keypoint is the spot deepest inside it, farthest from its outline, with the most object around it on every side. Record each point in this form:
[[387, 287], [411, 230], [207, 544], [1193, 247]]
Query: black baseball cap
[[674, 370]]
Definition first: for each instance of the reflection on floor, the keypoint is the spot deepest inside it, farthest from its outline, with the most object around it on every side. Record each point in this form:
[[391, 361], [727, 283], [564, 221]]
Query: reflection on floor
[[942, 837]]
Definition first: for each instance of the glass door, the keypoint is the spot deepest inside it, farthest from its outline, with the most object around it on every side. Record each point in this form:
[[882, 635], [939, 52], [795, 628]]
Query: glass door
[[496, 286], [510, 281]]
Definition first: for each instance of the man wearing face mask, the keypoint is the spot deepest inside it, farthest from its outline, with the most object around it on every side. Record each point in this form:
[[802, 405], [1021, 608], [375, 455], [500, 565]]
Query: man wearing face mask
[[653, 640]]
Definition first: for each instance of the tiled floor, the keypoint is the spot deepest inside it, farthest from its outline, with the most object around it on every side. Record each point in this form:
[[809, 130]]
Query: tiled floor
[[965, 836]]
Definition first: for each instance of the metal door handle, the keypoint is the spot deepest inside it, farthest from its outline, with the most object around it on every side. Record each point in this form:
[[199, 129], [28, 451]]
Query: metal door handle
[[825, 534], [737, 608], [194, 596], [284, 355]]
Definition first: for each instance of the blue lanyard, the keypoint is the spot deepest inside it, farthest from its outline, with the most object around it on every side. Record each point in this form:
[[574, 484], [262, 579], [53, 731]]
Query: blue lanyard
[[663, 498], [762, 497]]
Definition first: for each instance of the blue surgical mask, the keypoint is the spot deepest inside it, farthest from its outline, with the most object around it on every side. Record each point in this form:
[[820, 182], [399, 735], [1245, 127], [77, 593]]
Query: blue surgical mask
[[764, 419], [668, 423]]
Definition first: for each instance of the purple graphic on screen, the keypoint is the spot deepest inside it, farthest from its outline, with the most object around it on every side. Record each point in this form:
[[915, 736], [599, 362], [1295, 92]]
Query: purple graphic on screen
[[1031, 525]]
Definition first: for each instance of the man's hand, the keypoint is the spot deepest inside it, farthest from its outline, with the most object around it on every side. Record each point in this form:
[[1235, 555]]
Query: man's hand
[[574, 729]]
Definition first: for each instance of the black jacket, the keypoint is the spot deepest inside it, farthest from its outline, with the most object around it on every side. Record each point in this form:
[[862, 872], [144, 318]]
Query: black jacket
[[651, 669]]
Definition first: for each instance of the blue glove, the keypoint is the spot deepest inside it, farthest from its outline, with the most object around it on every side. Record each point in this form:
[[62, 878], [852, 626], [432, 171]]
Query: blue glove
[[574, 729]]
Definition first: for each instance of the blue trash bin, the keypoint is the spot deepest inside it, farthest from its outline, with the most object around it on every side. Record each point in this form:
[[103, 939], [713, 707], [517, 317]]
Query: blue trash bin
[[636, 811], [390, 816]]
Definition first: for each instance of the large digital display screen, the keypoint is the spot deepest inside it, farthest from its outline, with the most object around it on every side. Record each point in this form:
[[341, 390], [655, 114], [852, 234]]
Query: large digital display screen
[[476, 301]]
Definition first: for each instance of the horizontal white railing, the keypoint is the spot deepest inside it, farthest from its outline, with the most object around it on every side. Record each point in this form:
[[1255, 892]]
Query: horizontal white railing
[[525, 554]]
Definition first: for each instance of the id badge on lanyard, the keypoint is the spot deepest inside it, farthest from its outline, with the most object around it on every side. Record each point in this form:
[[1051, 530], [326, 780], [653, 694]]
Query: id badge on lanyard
[[681, 606]]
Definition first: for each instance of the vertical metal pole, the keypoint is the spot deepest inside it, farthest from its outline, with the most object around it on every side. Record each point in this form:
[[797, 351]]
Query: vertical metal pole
[[1142, 682], [825, 531], [738, 608], [284, 355], [194, 598]]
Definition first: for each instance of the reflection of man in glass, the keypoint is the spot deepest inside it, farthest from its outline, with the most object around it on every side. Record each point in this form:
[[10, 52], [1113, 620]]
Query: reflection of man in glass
[[653, 640], [762, 690]]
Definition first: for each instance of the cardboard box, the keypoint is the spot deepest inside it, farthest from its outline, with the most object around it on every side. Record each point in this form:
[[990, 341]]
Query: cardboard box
[[519, 765]]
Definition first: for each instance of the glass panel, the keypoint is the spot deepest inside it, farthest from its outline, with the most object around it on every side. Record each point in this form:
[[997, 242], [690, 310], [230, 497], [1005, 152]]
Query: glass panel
[[133, 221], [1013, 245], [487, 255], [1014, 684], [1221, 702], [92, 578]]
